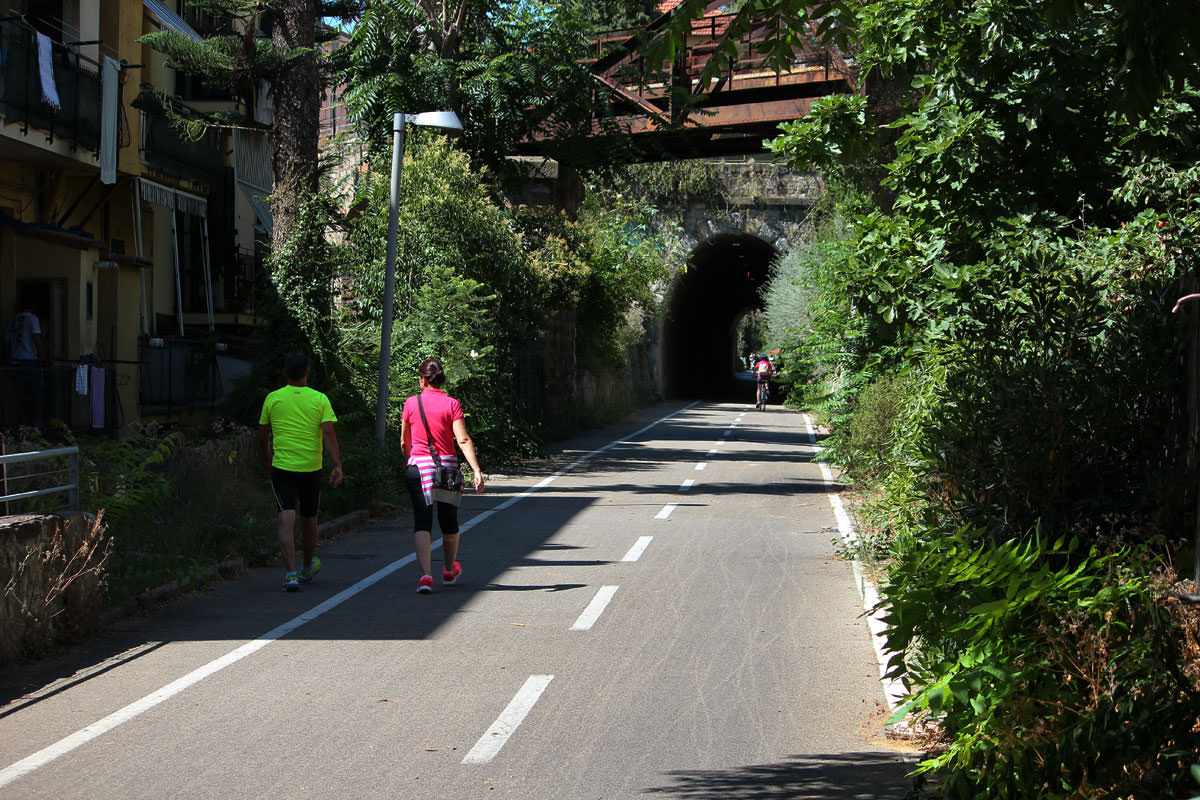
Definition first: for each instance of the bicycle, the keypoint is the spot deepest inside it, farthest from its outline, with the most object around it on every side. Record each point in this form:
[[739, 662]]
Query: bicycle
[[764, 391]]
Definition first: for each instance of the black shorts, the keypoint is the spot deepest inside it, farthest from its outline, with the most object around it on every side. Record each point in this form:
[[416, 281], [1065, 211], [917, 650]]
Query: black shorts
[[297, 488], [26, 378], [447, 514]]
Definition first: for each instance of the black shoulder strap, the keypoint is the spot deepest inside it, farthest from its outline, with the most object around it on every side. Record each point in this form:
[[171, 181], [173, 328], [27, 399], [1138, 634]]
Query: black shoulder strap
[[432, 447]]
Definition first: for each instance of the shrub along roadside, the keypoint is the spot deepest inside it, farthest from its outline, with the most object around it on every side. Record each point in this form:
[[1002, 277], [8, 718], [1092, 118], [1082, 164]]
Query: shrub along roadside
[[476, 284], [1013, 269], [1053, 673], [1048, 397]]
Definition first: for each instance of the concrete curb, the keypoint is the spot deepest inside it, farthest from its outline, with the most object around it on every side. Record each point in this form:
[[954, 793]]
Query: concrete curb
[[225, 570], [893, 690]]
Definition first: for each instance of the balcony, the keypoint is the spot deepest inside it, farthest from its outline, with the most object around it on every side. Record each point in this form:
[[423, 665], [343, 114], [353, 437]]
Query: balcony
[[179, 375], [171, 154], [76, 78]]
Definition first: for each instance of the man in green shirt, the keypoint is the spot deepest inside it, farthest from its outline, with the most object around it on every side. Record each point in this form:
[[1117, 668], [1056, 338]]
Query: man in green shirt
[[295, 420]]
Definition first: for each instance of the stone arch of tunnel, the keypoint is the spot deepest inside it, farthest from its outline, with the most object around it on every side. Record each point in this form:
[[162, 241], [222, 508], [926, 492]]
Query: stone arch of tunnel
[[725, 278]]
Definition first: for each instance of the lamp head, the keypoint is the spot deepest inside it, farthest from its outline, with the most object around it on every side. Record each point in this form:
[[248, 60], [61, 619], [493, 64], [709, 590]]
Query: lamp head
[[443, 120]]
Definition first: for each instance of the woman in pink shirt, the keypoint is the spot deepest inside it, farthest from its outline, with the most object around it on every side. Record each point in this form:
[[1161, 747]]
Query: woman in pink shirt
[[445, 423]]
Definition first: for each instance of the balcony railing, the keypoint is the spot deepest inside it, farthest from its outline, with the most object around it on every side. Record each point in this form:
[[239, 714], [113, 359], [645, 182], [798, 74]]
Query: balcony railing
[[83, 396], [178, 374], [76, 79], [164, 148]]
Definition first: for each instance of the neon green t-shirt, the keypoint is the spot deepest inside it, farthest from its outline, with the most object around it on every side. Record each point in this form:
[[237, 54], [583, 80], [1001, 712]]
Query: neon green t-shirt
[[295, 414]]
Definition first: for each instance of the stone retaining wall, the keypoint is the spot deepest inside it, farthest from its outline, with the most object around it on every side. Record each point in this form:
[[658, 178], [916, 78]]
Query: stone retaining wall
[[40, 605]]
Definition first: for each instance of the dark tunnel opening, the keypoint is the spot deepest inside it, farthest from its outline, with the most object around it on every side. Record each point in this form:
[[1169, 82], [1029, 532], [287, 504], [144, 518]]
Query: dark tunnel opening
[[724, 281]]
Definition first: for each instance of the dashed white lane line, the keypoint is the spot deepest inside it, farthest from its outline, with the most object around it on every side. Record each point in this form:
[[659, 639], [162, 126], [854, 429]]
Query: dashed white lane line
[[666, 511], [63, 746], [594, 609], [710, 453], [687, 485], [701, 466], [727, 433], [509, 720], [639, 547]]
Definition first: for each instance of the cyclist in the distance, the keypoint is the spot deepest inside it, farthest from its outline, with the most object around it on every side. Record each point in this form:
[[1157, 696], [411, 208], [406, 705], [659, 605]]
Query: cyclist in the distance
[[762, 372]]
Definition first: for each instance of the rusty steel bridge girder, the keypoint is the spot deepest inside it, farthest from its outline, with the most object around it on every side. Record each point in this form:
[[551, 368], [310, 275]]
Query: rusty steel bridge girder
[[670, 115]]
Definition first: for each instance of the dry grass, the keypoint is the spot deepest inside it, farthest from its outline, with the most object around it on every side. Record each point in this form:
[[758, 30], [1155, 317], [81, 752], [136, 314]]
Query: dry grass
[[53, 570]]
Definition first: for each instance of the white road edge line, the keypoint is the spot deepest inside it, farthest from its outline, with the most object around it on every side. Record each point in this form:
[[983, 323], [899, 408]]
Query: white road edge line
[[509, 720], [893, 690], [639, 547], [594, 609], [84, 735], [666, 511]]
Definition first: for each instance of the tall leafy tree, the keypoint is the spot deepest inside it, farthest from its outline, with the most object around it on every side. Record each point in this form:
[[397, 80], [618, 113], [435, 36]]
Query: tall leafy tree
[[508, 68], [286, 60], [272, 43], [609, 15], [1159, 40]]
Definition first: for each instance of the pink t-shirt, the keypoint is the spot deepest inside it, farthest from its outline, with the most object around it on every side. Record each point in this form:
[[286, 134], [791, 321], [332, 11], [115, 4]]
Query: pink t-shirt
[[440, 410]]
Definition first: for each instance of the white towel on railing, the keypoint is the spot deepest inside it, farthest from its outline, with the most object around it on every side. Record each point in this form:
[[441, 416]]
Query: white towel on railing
[[45, 51], [110, 108]]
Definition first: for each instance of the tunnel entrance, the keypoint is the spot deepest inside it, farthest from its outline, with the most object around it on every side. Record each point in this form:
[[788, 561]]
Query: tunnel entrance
[[722, 284]]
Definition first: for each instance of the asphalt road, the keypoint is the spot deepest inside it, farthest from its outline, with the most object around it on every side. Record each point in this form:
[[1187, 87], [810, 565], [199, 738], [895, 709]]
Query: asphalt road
[[655, 610]]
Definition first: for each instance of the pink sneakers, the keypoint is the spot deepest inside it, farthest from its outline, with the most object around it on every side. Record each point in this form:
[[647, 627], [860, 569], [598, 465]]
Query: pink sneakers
[[450, 576], [425, 585]]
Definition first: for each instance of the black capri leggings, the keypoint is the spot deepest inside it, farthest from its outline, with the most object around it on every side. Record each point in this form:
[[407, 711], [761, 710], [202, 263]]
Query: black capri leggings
[[423, 513]]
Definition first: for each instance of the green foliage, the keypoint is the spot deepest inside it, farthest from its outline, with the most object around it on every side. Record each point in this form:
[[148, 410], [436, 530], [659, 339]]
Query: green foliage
[[296, 305], [155, 490], [1155, 42], [665, 183], [609, 15], [873, 429], [126, 479], [476, 284], [625, 254], [833, 135], [1054, 673], [507, 68], [984, 318]]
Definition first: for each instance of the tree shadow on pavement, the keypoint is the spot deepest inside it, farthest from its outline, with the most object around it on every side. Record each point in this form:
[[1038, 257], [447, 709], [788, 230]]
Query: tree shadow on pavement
[[839, 776]]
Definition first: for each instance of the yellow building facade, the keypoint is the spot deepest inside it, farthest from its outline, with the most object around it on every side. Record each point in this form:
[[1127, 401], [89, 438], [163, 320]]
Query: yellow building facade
[[135, 247]]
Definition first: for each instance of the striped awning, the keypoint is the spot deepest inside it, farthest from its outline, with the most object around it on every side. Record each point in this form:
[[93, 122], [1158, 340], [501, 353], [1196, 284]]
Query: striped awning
[[168, 197], [169, 19]]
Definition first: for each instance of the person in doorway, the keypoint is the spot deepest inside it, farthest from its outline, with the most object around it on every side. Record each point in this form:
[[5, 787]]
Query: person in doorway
[[295, 420], [434, 419], [25, 359]]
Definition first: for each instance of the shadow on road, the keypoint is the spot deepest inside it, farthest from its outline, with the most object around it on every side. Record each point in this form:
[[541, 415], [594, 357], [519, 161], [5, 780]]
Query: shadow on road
[[517, 545], [843, 776]]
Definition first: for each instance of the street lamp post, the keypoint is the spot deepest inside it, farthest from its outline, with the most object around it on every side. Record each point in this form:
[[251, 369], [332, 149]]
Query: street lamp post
[[447, 121]]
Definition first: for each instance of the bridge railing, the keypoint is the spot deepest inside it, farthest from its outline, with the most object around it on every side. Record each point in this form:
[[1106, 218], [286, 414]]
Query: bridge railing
[[706, 35]]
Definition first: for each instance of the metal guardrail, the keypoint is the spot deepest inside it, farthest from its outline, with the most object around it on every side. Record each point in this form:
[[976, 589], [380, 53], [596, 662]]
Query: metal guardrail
[[71, 486]]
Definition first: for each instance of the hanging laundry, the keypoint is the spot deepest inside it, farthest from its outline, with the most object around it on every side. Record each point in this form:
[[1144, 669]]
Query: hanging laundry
[[81, 379], [97, 374], [45, 51]]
